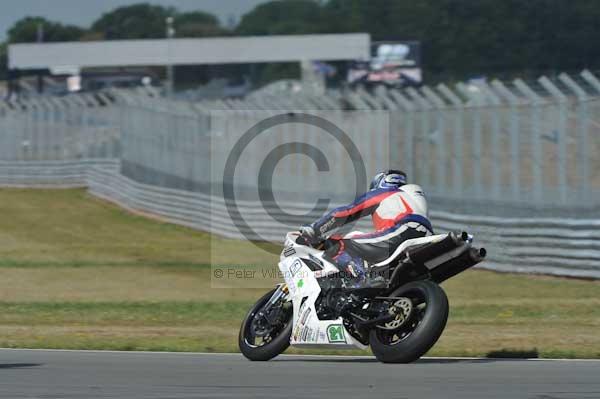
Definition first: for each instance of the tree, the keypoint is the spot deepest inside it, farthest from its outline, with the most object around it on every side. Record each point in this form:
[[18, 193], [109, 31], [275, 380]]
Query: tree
[[282, 17], [26, 31], [145, 21], [288, 17], [459, 38], [198, 24], [138, 21]]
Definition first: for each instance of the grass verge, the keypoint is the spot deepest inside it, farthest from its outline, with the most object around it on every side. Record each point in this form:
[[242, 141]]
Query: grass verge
[[78, 273]]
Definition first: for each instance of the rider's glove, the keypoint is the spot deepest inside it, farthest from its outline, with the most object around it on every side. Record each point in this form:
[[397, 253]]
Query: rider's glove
[[308, 232]]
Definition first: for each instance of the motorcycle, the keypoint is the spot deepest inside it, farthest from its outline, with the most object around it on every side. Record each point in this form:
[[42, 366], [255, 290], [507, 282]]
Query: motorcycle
[[317, 307]]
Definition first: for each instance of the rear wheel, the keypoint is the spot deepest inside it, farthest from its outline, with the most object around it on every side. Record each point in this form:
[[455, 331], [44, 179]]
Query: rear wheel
[[266, 330], [422, 311]]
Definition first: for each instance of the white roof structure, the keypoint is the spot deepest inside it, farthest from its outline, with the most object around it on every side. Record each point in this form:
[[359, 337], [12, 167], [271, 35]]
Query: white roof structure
[[254, 49]]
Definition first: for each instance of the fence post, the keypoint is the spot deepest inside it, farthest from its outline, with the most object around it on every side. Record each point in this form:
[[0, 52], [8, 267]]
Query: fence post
[[457, 157], [381, 93], [515, 159], [113, 122], [368, 99], [36, 111], [26, 137], [356, 101], [591, 79], [442, 151], [582, 133], [81, 130], [561, 139], [89, 123], [496, 166], [409, 142], [56, 127], [424, 109], [69, 131], [44, 123], [47, 127], [331, 102], [375, 127], [477, 102], [536, 132], [393, 118], [14, 120], [4, 118]]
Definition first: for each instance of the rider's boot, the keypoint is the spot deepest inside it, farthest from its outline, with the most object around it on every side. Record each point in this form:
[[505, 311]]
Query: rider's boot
[[354, 275], [361, 279]]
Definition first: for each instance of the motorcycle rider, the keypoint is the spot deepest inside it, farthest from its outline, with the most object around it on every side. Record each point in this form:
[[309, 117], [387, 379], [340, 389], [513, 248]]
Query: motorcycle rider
[[398, 211]]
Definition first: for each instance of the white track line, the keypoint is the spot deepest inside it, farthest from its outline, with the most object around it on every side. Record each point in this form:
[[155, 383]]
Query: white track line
[[294, 356]]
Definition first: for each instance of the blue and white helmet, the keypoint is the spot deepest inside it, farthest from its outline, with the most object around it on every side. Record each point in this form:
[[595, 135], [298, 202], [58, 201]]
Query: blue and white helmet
[[389, 179]]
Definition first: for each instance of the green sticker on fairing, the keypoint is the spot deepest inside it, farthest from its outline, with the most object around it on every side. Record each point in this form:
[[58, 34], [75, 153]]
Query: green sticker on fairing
[[335, 333], [300, 283]]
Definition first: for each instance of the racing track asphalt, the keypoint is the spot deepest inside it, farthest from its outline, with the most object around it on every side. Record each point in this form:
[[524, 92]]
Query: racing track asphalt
[[88, 374]]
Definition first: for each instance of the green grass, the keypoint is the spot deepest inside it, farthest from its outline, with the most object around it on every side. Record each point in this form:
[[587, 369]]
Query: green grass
[[120, 313], [78, 273], [62, 227]]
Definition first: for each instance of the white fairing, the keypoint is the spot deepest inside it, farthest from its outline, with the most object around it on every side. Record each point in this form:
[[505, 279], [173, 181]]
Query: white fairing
[[302, 282]]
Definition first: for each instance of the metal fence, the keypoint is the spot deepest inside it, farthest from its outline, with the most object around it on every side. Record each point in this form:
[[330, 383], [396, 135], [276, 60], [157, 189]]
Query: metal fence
[[513, 144], [60, 128], [510, 144], [518, 163]]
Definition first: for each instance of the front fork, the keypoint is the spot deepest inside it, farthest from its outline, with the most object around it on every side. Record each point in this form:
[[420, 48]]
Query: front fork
[[281, 293]]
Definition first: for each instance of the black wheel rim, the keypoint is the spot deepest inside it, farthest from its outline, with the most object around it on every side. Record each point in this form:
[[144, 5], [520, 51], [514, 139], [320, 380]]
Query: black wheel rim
[[259, 332], [393, 337]]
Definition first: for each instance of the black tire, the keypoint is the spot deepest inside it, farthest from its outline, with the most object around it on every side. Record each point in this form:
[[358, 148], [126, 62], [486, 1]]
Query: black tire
[[277, 345], [413, 340]]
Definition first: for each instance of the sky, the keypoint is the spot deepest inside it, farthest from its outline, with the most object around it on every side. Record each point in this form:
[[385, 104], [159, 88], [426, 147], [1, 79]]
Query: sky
[[84, 12]]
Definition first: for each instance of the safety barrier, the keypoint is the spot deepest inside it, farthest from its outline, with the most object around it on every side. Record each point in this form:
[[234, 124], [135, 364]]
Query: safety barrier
[[534, 142], [527, 147], [556, 246], [53, 174], [562, 247]]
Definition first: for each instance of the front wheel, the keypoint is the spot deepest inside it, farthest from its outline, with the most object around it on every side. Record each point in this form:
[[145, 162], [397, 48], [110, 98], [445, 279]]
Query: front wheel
[[267, 328], [422, 308]]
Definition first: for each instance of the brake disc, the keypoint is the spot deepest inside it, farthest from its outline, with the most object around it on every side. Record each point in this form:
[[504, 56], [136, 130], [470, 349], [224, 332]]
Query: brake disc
[[402, 309], [260, 325]]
